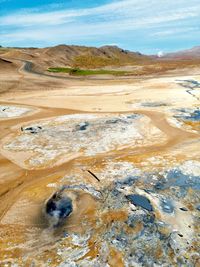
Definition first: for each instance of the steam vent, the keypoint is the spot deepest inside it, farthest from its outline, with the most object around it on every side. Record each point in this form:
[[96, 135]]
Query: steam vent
[[58, 208]]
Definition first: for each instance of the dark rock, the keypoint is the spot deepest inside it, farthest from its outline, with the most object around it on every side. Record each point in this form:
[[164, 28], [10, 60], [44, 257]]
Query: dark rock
[[115, 192], [184, 209], [141, 201], [29, 129], [32, 130], [113, 121], [128, 181], [82, 126], [149, 219], [159, 186], [198, 207], [133, 116]]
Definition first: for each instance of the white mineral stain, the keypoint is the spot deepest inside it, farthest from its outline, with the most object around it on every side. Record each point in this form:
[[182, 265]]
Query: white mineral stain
[[13, 111], [67, 135]]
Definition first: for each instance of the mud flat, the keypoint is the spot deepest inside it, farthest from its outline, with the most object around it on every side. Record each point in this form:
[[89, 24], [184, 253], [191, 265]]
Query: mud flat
[[49, 142], [10, 111], [102, 175]]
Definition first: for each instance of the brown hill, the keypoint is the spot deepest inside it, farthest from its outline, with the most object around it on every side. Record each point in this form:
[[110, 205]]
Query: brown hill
[[189, 54], [91, 57], [78, 56]]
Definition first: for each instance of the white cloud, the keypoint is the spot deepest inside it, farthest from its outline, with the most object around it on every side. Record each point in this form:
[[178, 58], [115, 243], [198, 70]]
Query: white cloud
[[120, 10], [152, 17], [173, 31]]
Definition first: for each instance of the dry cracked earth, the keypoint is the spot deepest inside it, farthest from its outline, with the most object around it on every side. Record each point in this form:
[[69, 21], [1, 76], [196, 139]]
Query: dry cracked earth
[[99, 173]]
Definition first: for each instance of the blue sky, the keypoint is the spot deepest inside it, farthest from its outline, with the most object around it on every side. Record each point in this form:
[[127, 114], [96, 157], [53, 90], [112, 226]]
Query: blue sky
[[148, 26]]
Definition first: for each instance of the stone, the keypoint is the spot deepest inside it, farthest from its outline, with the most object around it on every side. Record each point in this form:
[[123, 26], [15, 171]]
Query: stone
[[83, 126]]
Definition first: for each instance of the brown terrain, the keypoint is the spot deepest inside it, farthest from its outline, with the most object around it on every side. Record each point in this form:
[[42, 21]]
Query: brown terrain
[[81, 137], [189, 54], [110, 57]]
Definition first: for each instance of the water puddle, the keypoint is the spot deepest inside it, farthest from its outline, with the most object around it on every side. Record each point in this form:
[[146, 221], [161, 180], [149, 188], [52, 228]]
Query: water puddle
[[140, 201]]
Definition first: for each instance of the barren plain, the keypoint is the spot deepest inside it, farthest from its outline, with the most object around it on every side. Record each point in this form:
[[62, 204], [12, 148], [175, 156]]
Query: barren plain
[[100, 171]]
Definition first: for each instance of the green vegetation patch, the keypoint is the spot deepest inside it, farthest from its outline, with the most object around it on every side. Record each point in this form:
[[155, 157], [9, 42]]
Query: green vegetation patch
[[82, 72]]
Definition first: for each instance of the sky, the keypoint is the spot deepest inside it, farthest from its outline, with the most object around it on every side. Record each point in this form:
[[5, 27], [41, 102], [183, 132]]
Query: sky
[[147, 26]]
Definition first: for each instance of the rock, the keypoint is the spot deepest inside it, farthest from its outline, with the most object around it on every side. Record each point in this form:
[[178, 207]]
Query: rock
[[184, 209], [82, 126], [133, 116], [198, 207], [32, 130], [113, 121], [128, 181]]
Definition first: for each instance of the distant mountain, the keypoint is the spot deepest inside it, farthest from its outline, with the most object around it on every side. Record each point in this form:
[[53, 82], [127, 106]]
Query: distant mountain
[[189, 54]]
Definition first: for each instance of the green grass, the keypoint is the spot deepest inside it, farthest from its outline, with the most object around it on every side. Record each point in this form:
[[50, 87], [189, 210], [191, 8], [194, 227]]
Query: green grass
[[81, 72]]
